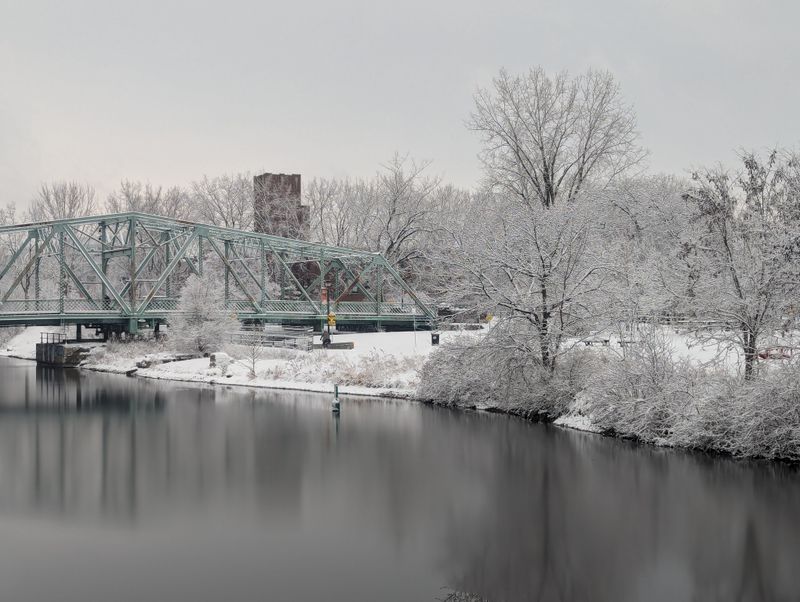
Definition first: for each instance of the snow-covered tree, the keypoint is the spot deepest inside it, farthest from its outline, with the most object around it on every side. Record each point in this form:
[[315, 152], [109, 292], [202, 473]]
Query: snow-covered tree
[[746, 249], [641, 223], [536, 268], [202, 320], [545, 137]]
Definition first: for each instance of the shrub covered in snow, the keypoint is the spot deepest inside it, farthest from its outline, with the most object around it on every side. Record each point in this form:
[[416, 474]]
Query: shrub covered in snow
[[132, 348], [471, 372], [760, 417], [653, 397], [375, 370], [642, 394]]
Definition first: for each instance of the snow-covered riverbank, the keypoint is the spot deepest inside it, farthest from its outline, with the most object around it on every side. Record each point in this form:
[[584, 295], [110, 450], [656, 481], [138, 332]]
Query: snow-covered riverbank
[[379, 365], [615, 394]]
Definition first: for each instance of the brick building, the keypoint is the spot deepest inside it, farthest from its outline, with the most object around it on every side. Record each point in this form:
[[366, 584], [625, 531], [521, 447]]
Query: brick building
[[278, 207]]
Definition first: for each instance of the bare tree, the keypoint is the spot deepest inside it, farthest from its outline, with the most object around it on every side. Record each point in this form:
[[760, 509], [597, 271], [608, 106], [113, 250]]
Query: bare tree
[[336, 215], [397, 213], [403, 211], [146, 198], [9, 244], [546, 137], [251, 344], [55, 201], [61, 200], [225, 200]]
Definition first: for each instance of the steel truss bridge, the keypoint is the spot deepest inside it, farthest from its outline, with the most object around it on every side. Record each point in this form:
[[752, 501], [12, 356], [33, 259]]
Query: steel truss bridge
[[125, 271]]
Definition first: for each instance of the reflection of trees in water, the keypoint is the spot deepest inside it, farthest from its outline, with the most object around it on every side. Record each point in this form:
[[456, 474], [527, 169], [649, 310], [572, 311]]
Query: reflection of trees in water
[[95, 446], [514, 551], [594, 519], [111, 446]]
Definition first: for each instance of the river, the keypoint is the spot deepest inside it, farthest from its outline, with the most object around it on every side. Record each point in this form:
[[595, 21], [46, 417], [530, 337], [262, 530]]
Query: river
[[115, 488]]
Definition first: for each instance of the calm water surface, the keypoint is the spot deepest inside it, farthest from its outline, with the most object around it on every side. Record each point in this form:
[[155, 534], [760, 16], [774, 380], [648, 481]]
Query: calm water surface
[[114, 488]]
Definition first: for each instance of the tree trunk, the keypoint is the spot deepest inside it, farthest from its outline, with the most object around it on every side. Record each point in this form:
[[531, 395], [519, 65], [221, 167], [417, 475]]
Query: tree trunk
[[749, 352], [548, 359]]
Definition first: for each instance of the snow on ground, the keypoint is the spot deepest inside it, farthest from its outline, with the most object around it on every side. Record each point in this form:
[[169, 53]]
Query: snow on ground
[[578, 422], [197, 370], [23, 345], [380, 364], [700, 351], [416, 343]]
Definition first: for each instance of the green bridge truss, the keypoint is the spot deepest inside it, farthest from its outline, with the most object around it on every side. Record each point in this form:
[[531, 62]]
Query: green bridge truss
[[126, 270]]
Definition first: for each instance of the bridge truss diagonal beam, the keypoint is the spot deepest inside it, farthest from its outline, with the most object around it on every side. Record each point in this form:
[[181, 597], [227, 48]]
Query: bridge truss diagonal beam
[[95, 268]]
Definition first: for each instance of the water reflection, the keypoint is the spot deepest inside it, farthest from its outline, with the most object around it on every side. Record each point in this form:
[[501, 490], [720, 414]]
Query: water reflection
[[595, 519], [201, 493]]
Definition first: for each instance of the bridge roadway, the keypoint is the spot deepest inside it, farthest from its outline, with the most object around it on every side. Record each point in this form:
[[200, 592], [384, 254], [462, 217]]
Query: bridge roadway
[[123, 272]]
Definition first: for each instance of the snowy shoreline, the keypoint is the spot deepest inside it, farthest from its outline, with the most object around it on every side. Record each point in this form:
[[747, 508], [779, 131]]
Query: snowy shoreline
[[280, 385], [23, 347], [383, 346], [573, 422], [387, 362]]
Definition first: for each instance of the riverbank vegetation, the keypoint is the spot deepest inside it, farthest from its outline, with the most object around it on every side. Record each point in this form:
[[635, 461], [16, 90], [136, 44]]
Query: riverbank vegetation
[[647, 393], [571, 246]]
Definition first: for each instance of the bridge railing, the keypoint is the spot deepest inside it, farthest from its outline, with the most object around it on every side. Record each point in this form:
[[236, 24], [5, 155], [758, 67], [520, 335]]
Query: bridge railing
[[158, 305], [365, 308], [288, 306], [161, 306], [54, 306], [21, 306]]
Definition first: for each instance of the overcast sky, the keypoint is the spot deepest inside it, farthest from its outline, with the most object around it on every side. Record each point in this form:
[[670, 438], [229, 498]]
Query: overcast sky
[[168, 91]]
